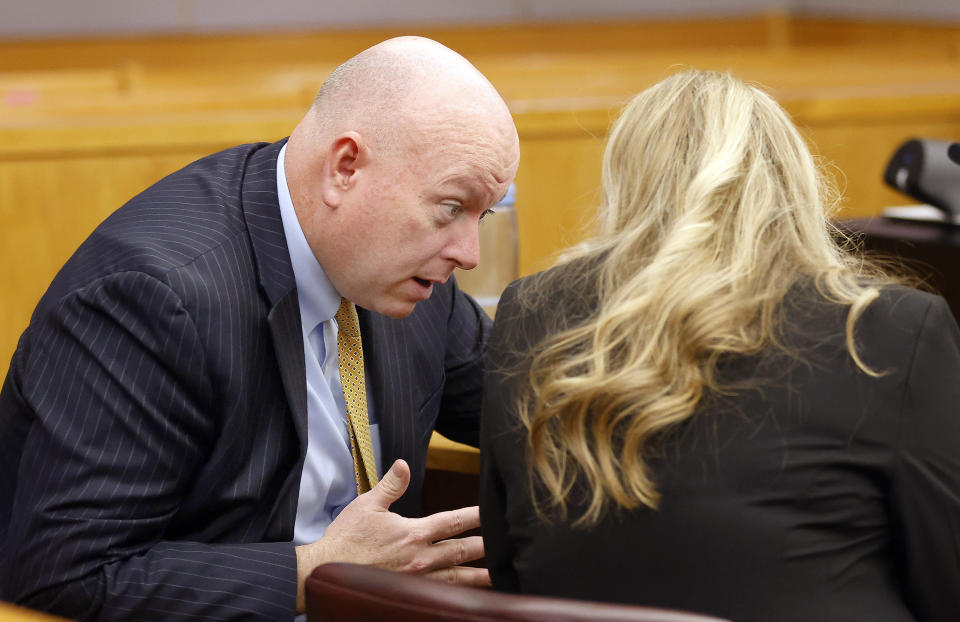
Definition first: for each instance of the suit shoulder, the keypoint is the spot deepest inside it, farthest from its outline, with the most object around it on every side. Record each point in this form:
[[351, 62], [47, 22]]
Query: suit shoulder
[[888, 331], [542, 304], [568, 291], [900, 305], [186, 215], [186, 202]]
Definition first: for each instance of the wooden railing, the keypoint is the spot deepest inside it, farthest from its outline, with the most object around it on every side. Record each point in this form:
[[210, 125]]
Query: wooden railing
[[84, 125]]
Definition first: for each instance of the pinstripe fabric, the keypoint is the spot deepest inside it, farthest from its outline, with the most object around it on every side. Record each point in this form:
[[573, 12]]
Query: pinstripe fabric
[[411, 385], [152, 420]]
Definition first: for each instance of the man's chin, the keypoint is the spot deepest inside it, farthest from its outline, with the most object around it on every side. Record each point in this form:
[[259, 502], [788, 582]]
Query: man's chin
[[396, 309], [399, 315], [399, 301]]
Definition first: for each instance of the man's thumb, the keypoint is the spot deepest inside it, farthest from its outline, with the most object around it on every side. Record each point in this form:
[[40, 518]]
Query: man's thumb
[[392, 485]]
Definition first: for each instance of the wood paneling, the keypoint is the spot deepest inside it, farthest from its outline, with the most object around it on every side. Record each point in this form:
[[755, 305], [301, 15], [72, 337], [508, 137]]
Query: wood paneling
[[558, 189], [110, 117], [338, 45]]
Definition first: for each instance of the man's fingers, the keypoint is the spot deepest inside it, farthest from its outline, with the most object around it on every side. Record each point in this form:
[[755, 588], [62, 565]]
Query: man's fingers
[[456, 551], [443, 525], [462, 575], [391, 486]]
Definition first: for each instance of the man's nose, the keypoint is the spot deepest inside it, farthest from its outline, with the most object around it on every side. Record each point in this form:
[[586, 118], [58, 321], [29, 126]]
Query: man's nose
[[464, 249]]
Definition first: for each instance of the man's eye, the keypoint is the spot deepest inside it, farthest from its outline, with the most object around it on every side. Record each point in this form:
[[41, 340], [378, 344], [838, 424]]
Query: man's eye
[[489, 212], [452, 209]]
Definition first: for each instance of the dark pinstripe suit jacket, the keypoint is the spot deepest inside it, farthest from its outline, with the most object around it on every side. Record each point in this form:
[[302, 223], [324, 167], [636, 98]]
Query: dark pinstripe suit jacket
[[152, 424]]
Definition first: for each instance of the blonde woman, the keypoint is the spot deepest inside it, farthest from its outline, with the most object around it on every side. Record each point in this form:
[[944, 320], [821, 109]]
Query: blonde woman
[[713, 407]]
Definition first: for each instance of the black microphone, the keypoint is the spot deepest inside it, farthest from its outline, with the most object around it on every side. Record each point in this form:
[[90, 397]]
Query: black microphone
[[953, 152], [926, 169]]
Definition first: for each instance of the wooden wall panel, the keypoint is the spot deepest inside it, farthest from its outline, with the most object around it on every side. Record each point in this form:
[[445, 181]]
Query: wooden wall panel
[[138, 109], [558, 190], [338, 45]]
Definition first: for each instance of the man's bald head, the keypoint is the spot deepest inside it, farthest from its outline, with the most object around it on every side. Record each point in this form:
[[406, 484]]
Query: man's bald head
[[394, 86], [405, 149]]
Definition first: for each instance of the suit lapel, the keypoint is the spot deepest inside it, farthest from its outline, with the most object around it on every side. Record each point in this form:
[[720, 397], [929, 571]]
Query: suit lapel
[[261, 210], [284, 322]]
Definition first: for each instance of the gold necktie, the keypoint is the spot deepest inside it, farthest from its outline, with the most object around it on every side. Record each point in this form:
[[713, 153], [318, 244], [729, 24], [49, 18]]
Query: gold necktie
[[350, 362]]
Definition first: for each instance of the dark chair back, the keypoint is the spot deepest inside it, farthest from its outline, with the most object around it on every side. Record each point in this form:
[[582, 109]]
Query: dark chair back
[[342, 592]]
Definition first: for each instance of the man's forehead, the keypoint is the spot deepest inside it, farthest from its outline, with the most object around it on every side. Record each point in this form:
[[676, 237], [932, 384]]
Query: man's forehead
[[476, 185], [473, 154]]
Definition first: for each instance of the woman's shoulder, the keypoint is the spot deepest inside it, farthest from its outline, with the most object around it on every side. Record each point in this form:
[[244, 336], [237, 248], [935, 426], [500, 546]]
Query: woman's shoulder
[[571, 280], [902, 305], [894, 304], [544, 303], [892, 326]]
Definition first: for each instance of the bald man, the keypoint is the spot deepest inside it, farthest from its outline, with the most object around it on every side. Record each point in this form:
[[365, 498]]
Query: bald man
[[173, 430]]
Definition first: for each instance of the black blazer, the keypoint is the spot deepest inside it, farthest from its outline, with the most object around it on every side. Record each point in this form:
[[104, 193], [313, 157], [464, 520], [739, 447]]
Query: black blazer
[[814, 493], [152, 424]]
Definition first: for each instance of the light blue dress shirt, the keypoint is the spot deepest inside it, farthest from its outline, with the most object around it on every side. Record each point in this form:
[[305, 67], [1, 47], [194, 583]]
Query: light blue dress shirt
[[327, 483]]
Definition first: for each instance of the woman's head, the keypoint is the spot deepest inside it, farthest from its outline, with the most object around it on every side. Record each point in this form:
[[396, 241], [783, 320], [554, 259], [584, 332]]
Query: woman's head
[[701, 158], [713, 210]]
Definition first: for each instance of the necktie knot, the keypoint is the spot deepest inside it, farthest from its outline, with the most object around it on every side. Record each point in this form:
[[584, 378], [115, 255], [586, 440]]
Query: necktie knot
[[347, 320]]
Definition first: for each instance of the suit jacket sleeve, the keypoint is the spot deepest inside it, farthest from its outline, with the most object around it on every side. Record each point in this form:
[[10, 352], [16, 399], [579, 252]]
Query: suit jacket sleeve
[[116, 396], [926, 484]]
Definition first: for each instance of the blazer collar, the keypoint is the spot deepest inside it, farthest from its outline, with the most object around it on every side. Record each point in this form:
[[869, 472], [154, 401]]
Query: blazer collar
[[261, 211]]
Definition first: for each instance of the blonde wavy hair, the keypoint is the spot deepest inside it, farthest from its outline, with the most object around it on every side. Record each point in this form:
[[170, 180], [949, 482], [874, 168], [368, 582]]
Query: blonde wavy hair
[[713, 208]]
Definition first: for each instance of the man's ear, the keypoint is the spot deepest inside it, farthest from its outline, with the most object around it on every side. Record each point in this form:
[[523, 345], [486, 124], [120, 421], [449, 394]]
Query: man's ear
[[346, 155]]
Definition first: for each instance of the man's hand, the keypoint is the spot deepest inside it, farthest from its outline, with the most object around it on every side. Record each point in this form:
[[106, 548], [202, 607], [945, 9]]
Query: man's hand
[[366, 532]]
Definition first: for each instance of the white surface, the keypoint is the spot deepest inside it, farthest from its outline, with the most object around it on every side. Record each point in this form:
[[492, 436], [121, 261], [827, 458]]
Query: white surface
[[923, 213]]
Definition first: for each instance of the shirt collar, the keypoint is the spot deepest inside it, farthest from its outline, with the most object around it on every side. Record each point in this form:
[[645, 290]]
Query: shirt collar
[[318, 299]]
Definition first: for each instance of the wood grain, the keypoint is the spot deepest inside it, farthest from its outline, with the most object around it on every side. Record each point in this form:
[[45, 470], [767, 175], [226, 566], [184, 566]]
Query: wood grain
[[109, 117]]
